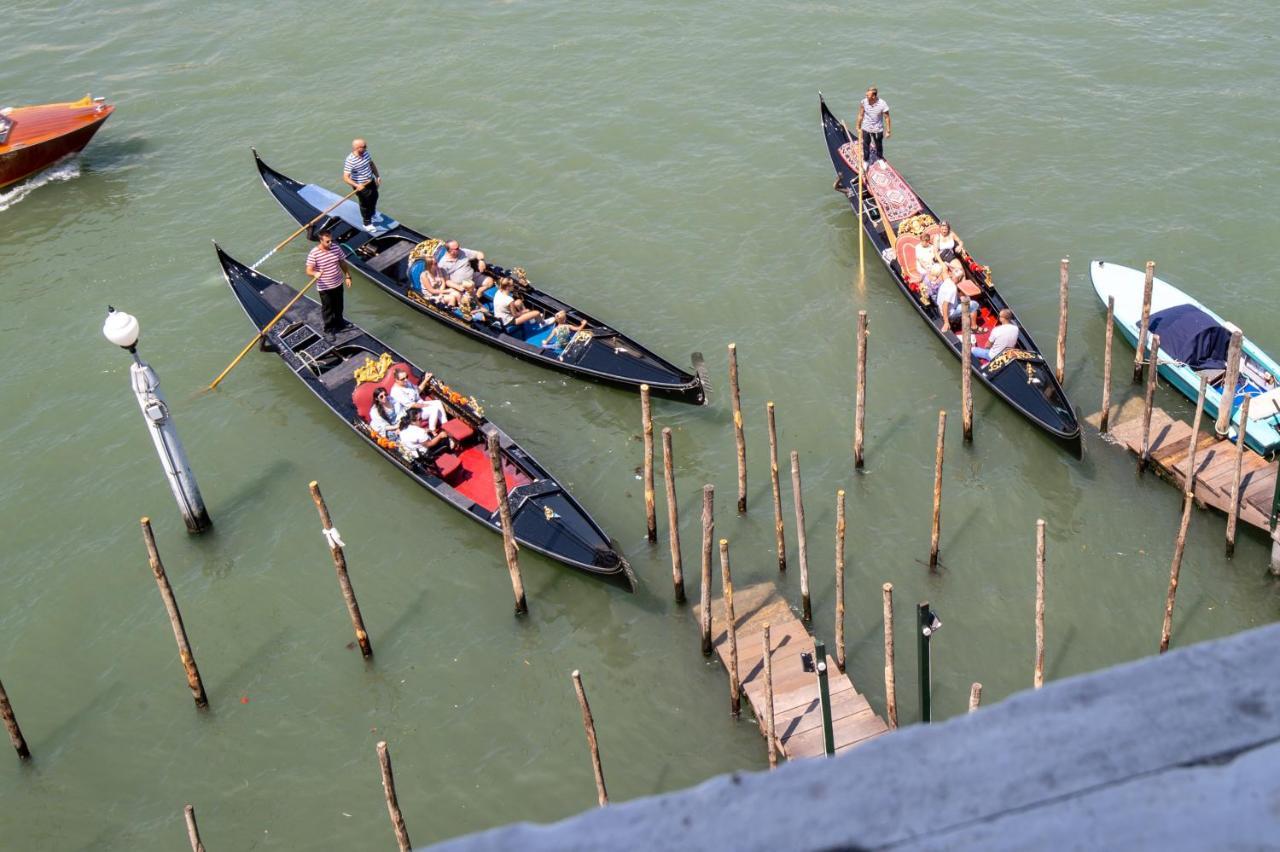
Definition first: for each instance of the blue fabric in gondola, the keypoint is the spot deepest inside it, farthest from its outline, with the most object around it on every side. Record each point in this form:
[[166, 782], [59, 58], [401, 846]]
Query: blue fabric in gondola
[[1192, 337]]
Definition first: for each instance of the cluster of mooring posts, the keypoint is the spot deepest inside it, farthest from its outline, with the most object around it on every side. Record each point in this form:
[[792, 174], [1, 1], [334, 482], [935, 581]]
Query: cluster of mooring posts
[[804, 702], [1209, 468]]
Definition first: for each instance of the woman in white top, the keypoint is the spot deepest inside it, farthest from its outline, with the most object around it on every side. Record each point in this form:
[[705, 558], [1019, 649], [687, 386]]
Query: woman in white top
[[949, 246], [416, 438], [385, 414], [926, 255], [434, 286], [508, 309]]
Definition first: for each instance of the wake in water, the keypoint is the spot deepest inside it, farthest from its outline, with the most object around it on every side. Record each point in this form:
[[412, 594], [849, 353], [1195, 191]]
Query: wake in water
[[62, 170]]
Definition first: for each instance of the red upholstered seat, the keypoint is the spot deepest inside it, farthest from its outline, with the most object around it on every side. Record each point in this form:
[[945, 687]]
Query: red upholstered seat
[[907, 258], [458, 430], [448, 465], [362, 396]]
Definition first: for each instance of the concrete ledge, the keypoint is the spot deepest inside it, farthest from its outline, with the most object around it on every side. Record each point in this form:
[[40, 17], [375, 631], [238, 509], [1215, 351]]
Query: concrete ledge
[[1173, 752]]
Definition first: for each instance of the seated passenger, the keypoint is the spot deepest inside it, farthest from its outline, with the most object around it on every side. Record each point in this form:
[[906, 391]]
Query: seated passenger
[[434, 287], [416, 438], [949, 246], [407, 397], [948, 299], [456, 267], [471, 306], [508, 309], [926, 254], [932, 277], [563, 332], [1004, 336], [385, 414]]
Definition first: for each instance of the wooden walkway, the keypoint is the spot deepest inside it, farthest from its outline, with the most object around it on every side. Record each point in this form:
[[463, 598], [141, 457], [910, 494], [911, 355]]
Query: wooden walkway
[[1215, 462], [797, 706]]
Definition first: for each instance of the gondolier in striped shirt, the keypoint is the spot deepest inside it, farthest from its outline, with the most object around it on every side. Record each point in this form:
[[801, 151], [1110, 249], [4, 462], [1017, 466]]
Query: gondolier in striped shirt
[[874, 125], [361, 174], [327, 264]]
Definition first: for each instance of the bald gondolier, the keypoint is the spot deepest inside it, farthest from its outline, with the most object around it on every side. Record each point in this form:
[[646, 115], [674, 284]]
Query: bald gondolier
[[874, 125], [361, 174], [327, 264]]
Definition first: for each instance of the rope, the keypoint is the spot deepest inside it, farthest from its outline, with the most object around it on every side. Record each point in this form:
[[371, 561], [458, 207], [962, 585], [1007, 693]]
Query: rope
[[331, 536]]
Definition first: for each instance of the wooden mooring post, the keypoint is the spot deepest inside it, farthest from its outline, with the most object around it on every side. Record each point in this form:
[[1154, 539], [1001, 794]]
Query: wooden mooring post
[[673, 517], [975, 696], [589, 725], [193, 830], [1063, 278], [1223, 424], [194, 682], [1038, 678], [860, 394], [966, 370], [802, 543], [779, 529], [509, 547], [1145, 322], [770, 732], [340, 565], [935, 532], [708, 537], [393, 804], [739, 436], [1166, 629], [840, 530], [11, 725], [726, 581], [1104, 422], [646, 419], [1233, 514], [1190, 477], [1148, 402], [890, 677]]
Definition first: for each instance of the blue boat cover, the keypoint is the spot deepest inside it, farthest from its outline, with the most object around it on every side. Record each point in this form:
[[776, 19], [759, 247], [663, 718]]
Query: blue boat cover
[[1192, 337]]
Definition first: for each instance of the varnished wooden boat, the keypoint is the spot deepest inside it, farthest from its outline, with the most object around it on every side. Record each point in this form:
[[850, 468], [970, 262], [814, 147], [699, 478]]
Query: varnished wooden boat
[[344, 369], [32, 138], [1020, 376]]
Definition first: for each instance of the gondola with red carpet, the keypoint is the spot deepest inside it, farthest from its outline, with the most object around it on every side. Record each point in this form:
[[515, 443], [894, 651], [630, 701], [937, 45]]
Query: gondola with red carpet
[[345, 369], [893, 216]]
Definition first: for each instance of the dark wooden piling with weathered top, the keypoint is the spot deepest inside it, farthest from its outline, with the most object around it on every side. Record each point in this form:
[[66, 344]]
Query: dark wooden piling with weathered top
[[1148, 403], [779, 529], [1145, 322], [589, 725], [646, 423], [966, 370], [1233, 513], [860, 400], [1104, 422], [393, 803], [840, 530], [935, 532], [708, 539], [738, 435], [802, 543], [1179, 547], [1063, 278], [11, 725], [509, 547], [726, 582], [193, 830]]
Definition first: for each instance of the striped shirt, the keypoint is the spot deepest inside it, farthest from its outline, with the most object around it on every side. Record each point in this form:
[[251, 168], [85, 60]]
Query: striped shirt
[[358, 167], [328, 264], [872, 116]]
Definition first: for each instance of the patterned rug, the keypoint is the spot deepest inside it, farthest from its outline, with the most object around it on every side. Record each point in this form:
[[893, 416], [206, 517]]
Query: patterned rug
[[897, 199]]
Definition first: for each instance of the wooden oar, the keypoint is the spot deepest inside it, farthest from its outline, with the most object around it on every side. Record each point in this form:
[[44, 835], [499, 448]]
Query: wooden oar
[[258, 336], [291, 237]]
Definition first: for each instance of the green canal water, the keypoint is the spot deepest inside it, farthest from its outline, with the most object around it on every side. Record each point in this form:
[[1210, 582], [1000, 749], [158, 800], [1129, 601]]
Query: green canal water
[[662, 166]]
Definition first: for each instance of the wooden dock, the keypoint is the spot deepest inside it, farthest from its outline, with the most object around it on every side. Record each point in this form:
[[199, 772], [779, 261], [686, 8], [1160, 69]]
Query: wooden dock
[[796, 702], [1215, 462]]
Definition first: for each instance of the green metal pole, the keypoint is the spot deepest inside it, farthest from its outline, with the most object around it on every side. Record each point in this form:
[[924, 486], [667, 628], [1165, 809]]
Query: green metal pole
[[824, 692], [923, 619]]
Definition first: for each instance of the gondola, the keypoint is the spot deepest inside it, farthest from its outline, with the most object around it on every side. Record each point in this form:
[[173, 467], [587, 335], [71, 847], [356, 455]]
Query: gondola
[[387, 257], [893, 215], [344, 370], [1194, 343]]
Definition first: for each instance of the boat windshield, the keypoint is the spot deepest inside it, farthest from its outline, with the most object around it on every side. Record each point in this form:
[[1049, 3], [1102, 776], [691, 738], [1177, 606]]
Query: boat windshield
[[6, 124]]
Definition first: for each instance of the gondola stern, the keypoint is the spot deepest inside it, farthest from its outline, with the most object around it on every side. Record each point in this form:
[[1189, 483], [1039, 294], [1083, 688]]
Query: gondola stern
[[704, 382]]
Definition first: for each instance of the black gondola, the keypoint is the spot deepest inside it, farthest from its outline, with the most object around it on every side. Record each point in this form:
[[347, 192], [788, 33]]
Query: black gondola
[[599, 353], [545, 516], [1020, 376]]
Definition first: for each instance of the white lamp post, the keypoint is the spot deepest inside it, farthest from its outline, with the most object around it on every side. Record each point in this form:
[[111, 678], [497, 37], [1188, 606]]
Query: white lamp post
[[122, 330]]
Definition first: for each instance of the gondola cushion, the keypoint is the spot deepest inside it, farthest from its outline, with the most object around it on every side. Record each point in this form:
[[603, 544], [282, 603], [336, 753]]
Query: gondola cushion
[[362, 396], [448, 465], [458, 430], [907, 258]]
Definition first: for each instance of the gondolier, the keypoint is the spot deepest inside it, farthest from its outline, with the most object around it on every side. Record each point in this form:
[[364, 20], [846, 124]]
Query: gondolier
[[361, 174], [328, 265], [874, 125]]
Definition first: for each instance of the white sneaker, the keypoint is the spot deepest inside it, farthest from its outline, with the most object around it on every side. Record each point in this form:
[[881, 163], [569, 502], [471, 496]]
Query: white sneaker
[[371, 228]]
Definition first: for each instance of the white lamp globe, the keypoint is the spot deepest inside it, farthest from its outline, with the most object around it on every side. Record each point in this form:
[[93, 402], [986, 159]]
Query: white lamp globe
[[121, 329]]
